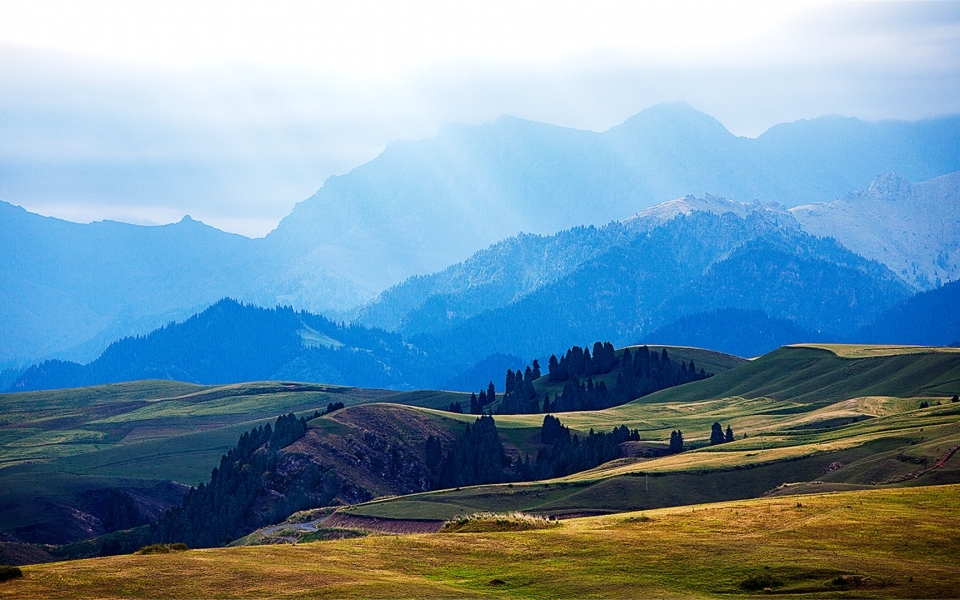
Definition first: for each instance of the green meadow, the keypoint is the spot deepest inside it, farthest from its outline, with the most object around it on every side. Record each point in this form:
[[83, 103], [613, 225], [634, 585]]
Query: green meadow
[[56, 446], [826, 420]]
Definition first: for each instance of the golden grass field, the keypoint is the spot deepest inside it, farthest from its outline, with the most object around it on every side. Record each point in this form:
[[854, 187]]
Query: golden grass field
[[893, 543], [868, 350]]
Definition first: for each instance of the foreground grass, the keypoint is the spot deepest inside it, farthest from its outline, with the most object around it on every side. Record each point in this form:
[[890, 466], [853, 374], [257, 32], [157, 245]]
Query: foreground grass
[[899, 543]]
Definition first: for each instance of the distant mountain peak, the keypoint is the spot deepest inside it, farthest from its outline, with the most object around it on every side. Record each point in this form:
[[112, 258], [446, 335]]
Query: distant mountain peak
[[667, 211], [912, 228], [890, 187], [673, 117]]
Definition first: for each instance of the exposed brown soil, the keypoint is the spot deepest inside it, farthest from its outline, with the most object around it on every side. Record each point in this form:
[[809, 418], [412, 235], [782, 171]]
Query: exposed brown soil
[[379, 449]]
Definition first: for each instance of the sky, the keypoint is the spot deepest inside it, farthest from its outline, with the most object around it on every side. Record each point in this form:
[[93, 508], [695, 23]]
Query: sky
[[232, 112]]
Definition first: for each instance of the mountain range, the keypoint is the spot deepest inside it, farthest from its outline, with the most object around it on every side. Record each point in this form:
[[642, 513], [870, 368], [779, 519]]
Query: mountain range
[[741, 282], [396, 225]]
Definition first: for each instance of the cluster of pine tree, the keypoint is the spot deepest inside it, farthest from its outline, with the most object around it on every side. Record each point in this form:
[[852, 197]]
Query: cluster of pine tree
[[578, 363], [227, 507], [121, 512], [676, 442], [479, 403], [519, 396], [638, 374], [645, 372], [477, 456], [565, 453], [331, 407], [717, 436]]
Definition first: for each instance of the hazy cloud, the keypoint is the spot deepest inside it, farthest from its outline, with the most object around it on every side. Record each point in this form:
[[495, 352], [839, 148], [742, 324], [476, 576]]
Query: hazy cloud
[[234, 112]]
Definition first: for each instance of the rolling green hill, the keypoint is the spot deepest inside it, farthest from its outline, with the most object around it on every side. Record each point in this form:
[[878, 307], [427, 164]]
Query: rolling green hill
[[840, 416], [60, 450], [810, 413]]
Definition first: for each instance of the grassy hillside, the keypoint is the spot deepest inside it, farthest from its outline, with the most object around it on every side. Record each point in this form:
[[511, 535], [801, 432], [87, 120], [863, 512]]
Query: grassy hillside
[[878, 543], [805, 418], [59, 448]]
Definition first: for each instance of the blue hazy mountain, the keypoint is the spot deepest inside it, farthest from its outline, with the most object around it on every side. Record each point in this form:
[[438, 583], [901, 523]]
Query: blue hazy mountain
[[230, 342], [928, 318], [423, 205], [69, 290], [682, 257], [695, 263], [66, 284], [912, 228], [735, 331]]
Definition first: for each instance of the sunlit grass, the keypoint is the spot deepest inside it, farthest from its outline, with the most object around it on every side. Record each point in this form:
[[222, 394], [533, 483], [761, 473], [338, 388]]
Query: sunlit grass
[[868, 350], [900, 543]]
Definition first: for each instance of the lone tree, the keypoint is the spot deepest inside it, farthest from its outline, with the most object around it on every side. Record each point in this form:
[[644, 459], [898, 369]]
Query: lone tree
[[716, 434], [676, 442], [729, 435]]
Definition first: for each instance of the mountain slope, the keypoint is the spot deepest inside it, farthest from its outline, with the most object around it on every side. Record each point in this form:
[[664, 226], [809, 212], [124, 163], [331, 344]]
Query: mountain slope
[[514, 268], [929, 318], [737, 331], [70, 289], [912, 228], [694, 263]]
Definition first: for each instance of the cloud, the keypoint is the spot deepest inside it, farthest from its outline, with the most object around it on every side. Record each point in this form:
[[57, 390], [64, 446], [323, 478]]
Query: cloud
[[232, 112]]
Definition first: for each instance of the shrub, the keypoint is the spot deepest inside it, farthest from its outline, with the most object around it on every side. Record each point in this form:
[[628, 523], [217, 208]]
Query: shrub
[[162, 548], [9, 572], [760, 582], [485, 522]]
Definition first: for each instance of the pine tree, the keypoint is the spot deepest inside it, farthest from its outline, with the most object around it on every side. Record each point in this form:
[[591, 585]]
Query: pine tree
[[553, 368], [716, 434], [729, 435], [676, 442]]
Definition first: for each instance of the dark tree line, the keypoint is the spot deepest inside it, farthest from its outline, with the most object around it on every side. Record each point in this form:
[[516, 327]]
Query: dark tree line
[[565, 453], [331, 408], [477, 456], [578, 363], [233, 503], [121, 512], [519, 396], [638, 374]]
